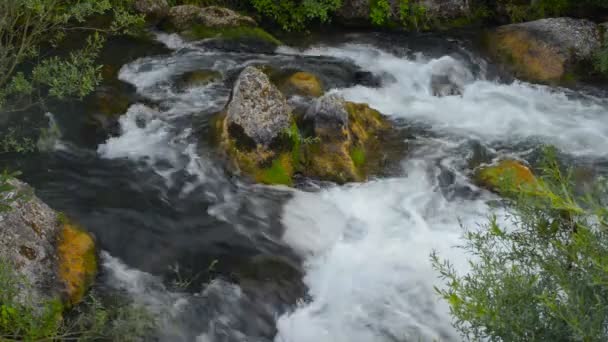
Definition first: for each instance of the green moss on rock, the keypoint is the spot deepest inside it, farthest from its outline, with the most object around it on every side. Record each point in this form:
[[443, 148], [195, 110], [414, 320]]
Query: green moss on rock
[[231, 33]]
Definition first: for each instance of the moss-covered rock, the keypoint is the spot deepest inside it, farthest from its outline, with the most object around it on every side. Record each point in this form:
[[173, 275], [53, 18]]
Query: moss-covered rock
[[547, 50], [55, 257], [239, 33], [302, 83], [77, 261], [506, 174]]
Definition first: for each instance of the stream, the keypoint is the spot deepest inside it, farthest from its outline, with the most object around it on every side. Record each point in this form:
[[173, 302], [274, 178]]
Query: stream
[[220, 259]]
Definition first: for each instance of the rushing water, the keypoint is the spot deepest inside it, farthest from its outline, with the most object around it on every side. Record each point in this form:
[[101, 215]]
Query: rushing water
[[219, 259]]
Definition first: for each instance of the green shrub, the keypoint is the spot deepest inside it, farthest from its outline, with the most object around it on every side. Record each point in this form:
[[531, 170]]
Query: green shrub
[[294, 14], [29, 26], [545, 278]]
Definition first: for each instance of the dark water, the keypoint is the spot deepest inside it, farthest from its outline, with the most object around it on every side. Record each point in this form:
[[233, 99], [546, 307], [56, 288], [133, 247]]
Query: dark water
[[220, 259]]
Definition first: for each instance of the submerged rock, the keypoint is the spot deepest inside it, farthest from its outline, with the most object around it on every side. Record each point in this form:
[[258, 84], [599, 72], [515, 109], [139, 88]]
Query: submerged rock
[[545, 50], [197, 78], [449, 77], [56, 259], [303, 83], [504, 175]]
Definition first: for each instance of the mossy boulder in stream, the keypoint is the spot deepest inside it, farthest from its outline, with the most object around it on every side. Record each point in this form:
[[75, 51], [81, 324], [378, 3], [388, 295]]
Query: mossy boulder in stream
[[254, 130], [346, 147], [546, 50], [56, 258], [505, 176], [335, 141]]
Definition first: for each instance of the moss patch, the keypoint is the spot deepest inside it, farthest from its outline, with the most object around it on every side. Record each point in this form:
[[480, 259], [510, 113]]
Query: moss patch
[[280, 173], [231, 33], [77, 261], [357, 154], [505, 175]]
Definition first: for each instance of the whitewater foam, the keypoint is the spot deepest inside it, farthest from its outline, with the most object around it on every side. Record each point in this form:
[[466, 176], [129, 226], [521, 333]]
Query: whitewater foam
[[367, 263], [487, 110]]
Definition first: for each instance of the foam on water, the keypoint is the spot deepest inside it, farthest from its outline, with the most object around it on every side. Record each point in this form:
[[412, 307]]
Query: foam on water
[[487, 110], [367, 252]]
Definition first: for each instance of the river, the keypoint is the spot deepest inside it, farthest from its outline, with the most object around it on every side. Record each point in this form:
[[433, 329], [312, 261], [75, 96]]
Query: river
[[220, 259]]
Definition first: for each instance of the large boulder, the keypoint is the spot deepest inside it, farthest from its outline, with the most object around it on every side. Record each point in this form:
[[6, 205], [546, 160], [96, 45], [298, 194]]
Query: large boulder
[[185, 16], [257, 108], [334, 140], [546, 50], [359, 11], [54, 256], [154, 10]]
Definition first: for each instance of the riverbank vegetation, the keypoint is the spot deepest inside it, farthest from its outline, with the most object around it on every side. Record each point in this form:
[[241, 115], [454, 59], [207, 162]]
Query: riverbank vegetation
[[24, 319], [540, 274], [34, 62]]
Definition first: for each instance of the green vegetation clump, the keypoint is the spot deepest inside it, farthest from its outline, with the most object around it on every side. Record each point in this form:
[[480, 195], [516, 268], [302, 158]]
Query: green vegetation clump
[[544, 278], [23, 319], [27, 27], [293, 14]]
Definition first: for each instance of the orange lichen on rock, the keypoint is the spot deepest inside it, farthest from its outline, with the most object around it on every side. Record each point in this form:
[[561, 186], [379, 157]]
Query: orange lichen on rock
[[507, 173], [77, 261]]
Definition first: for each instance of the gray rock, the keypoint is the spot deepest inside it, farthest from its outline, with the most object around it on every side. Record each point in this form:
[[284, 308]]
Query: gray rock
[[449, 77], [571, 38], [219, 17], [155, 10], [258, 107], [27, 240], [184, 16], [328, 115]]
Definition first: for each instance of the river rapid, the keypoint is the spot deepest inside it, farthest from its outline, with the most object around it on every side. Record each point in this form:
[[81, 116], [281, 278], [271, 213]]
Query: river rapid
[[217, 258]]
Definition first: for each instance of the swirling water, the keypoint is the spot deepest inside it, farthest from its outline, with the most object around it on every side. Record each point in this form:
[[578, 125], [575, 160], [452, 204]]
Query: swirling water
[[220, 259]]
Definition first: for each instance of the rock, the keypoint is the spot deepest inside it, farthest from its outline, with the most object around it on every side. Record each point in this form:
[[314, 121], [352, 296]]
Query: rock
[[545, 50], [449, 77], [183, 17], [505, 173], [154, 10], [303, 83], [358, 11], [328, 116], [198, 78], [38, 242], [257, 108], [220, 17]]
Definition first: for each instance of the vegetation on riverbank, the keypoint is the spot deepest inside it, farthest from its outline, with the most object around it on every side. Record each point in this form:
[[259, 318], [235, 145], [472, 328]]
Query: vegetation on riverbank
[[541, 275], [24, 319]]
